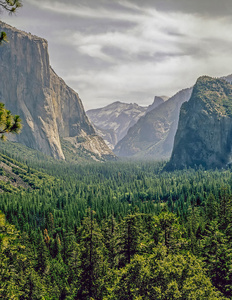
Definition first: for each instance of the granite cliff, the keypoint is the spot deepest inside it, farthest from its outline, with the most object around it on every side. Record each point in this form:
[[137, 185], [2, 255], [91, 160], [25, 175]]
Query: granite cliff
[[108, 135], [204, 135], [113, 121], [49, 109], [153, 135]]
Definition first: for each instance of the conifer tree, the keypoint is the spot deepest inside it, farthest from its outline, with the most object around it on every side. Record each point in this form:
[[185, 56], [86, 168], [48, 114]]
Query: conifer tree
[[92, 261], [42, 256], [10, 5], [171, 230], [211, 208], [225, 210], [129, 239], [110, 234], [217, 253], [8, 123]]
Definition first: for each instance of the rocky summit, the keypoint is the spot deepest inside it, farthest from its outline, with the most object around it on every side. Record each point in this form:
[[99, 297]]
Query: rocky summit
[[157, 101], [49, 109], [204, 135]]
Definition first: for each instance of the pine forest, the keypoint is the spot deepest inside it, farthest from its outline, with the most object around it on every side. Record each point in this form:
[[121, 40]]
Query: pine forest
[[117, 230]]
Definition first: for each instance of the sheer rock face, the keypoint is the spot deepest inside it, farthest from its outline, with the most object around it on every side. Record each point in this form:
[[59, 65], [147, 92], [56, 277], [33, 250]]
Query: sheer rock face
[[30, 88], [152, 136], [204, 135]]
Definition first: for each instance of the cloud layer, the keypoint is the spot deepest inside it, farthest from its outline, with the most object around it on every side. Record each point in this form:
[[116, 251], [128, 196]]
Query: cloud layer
[[131, 50]]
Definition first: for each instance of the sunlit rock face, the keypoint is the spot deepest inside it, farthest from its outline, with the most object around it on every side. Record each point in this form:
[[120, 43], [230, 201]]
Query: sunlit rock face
[[48, 108]]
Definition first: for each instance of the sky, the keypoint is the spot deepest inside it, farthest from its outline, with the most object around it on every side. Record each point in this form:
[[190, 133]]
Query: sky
[[131, 50]]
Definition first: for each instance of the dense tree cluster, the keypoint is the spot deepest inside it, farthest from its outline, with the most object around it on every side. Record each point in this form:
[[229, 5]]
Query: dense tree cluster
[[118, 231], [111, 260]]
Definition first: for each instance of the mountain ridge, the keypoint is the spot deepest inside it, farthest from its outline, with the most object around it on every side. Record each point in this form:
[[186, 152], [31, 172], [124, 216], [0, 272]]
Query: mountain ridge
[[153, 135], [117, 116]]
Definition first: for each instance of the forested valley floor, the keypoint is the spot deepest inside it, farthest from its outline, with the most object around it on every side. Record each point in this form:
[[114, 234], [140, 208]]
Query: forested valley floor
[[119, 230]]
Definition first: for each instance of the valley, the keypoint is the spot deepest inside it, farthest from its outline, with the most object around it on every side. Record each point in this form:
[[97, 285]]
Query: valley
[[122, 201]]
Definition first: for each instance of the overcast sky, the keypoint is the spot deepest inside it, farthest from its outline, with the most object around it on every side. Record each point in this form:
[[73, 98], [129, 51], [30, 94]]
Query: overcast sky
[[131, 50]]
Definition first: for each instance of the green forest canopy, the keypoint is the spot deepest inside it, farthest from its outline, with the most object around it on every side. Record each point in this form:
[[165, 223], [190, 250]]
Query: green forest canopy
[[117, 231]]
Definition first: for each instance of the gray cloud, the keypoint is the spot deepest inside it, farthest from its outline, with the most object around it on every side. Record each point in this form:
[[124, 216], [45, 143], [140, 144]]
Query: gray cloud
[[131, 50], [203, 7], [209, 7]]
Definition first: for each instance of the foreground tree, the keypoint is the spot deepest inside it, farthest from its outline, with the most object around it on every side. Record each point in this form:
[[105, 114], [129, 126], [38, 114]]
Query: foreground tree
[[18, 279], [10, 5], [129, 239], [3, 38], [8, 123], [93, 264], [164, 276]]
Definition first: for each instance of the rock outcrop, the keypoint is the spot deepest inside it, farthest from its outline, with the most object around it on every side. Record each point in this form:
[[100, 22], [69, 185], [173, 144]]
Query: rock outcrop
[[204, 135], [108, 135], [157, 101], [48, 108], [152, 136], [115, 119]]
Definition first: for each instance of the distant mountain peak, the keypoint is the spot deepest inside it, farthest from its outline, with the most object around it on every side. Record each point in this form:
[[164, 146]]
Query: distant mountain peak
[[114, 120], [157, 101], [153, 135]]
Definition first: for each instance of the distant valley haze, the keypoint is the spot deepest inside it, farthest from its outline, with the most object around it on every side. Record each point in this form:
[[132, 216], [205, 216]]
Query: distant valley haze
[[134, 50]]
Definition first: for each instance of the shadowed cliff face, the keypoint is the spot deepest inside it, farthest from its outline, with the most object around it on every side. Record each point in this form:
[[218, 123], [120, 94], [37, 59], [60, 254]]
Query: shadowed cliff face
[[204, 135], [153, 135], [29, 87], [70, 115]]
